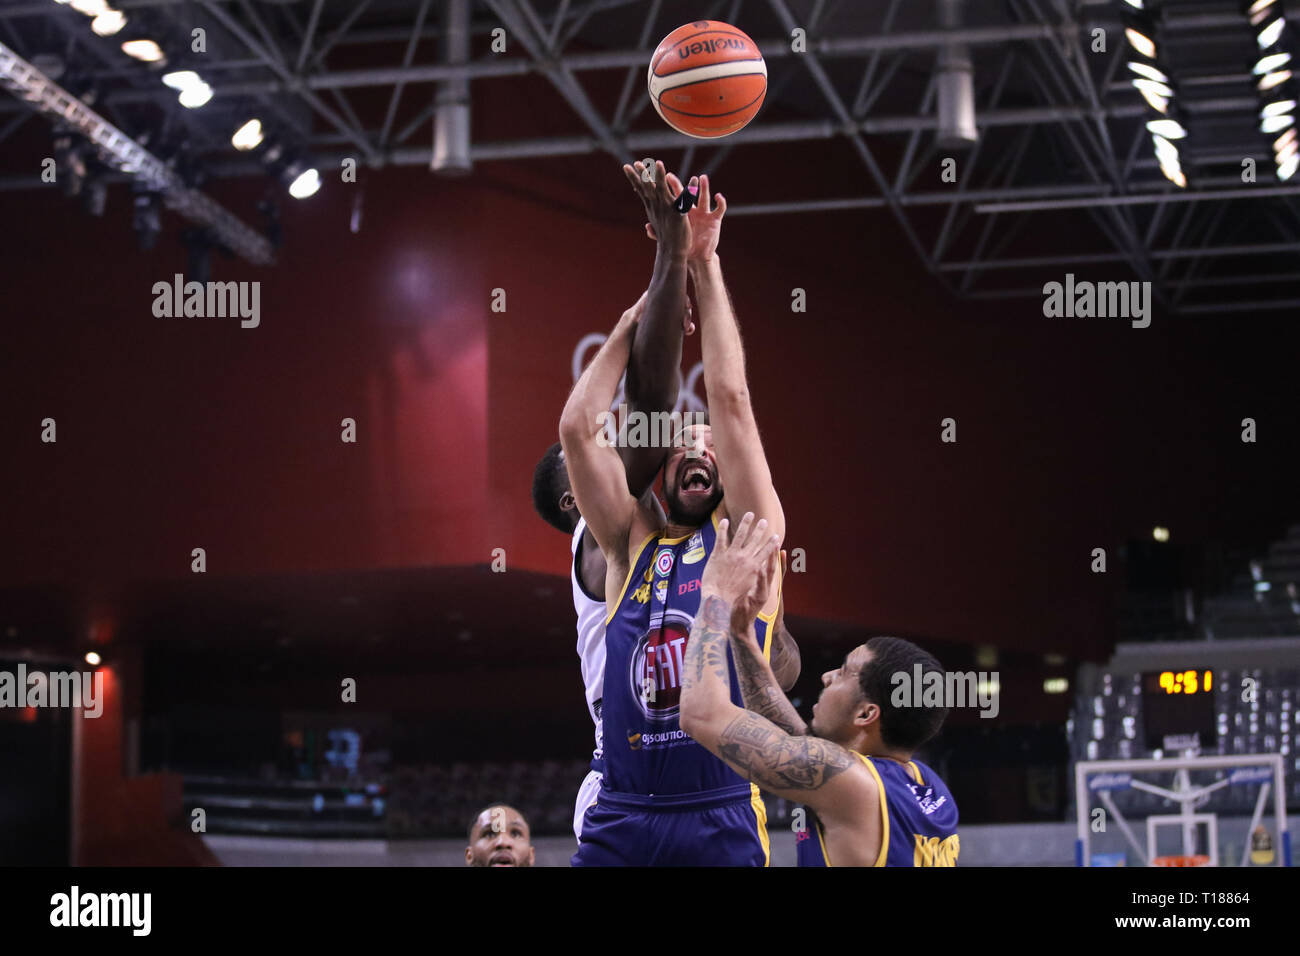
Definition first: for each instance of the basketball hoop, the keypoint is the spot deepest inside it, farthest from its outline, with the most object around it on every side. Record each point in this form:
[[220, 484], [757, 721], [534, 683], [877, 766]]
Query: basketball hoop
[[1198, 860]]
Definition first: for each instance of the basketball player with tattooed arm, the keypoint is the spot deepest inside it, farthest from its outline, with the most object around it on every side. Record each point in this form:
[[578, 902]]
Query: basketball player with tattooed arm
[[661, 316], [665, 800], [873, 804]]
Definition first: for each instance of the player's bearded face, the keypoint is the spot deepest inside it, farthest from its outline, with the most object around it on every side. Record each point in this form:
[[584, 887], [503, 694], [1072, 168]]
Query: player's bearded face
[[691, 482]]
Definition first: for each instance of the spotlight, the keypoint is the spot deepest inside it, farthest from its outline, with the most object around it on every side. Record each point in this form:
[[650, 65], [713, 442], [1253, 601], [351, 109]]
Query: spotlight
[[180, 79], [1277, 107], [1287, 167], [305, 184], [1284, 140], [193, 91], [249, 136], [192, 97], [1271, 62], [1270, 80], [91, 8], [1168, 128], [1141, 42], [1157, 102], [109, 23], [1148, 72], [1276, 123], [93, 659], [1270, 33], [145, 51], [1166, 151], [1159, 89]]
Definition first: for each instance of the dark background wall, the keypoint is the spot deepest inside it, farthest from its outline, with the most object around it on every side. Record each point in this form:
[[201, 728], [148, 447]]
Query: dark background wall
[[178, 433]]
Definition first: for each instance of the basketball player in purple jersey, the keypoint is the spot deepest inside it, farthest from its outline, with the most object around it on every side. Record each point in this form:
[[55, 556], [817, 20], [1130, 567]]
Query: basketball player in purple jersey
[[651, 385], [665, 800], [853, 767]]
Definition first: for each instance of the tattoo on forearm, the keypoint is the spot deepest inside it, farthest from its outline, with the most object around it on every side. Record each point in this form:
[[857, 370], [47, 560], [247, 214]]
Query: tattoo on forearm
[[761, 692], [777, 761], [707, 647]]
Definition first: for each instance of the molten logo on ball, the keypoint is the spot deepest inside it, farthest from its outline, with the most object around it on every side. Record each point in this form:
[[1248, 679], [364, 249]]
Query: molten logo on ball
[[707, 79]]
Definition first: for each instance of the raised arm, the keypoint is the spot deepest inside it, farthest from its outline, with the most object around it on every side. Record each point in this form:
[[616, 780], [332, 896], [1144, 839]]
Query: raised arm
[[742, 463], [654, 370], [760, 687], [595, 470], [808, 769]]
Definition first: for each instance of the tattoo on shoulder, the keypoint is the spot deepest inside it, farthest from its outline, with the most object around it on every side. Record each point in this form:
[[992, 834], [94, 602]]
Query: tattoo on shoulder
[[775, 760]]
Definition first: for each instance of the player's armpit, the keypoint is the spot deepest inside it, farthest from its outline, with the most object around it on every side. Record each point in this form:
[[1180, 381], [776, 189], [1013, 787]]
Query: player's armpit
[[807, 769]]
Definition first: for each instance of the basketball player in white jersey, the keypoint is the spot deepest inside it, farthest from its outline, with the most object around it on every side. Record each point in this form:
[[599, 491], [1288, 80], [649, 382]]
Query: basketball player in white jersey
[[651, 385]]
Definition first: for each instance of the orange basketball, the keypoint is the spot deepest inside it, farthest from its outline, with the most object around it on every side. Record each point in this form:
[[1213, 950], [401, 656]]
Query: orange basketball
[[707, 79]]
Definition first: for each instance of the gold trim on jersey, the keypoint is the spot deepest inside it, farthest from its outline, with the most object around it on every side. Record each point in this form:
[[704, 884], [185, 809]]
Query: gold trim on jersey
[[760, 819], [884, 810], [636, 558], [916, 772], [884, 818]]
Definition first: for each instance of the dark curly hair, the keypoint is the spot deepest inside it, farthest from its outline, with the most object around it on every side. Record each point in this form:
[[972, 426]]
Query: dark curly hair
[[906, 728], [550, 481]]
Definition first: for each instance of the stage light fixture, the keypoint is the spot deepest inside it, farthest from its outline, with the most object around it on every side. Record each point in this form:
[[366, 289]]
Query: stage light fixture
[[305, 184], [1274, 124], [1266, 64], [1141, 42], [1158, 103], [1147, 71], [93, 659], [1167, 128], [1270, 33], [1159, 89], [248, 137], [1277, 107], [146, 51], [1270, 80], [91, 8], [109, 23], [1286, 169]]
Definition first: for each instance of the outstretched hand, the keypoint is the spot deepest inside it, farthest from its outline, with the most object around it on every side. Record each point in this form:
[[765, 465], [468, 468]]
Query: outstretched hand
[[658, 190], [740, 572]]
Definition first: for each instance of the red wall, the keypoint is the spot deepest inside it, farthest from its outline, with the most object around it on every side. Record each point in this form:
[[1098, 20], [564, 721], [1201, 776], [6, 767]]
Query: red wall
[[181, 433]]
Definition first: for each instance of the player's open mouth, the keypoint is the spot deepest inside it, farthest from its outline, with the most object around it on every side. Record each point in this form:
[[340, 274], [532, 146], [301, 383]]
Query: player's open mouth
[[501, 859], [696, 478]]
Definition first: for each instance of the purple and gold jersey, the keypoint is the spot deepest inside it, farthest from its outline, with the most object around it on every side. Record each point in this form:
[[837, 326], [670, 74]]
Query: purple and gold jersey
[[646, 752], [918, 818], [665, 800]]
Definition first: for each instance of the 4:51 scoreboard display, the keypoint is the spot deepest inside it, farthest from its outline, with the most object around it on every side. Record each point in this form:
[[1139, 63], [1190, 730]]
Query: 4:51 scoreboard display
[[1178, 709]]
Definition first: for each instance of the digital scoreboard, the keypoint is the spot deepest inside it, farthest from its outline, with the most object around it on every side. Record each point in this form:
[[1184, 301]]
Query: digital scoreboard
[[1178, 709]]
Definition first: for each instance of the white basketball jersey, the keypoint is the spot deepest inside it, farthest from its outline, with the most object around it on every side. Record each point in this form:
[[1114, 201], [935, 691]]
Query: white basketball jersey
[[591, 638]]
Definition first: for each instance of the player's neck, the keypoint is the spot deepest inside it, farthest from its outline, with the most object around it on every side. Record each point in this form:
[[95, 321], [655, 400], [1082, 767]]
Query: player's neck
[[877, 748], [676, 529]]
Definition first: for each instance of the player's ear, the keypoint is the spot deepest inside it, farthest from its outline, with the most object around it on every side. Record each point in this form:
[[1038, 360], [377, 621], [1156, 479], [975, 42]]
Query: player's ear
[[868, 714], [567, 501], [532, 856], [469, 856]]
